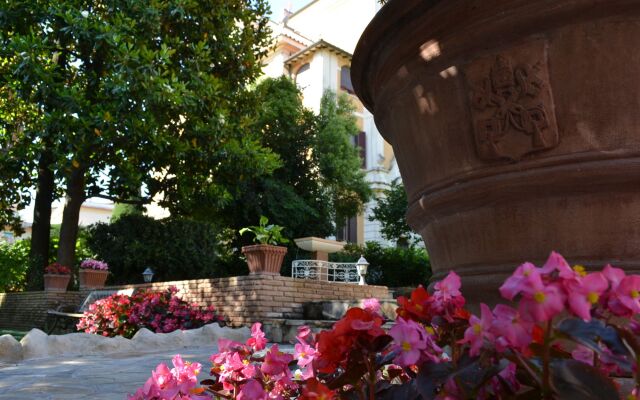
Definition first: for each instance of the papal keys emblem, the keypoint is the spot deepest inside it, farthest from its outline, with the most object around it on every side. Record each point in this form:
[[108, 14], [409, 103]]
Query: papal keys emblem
[[512, 107]]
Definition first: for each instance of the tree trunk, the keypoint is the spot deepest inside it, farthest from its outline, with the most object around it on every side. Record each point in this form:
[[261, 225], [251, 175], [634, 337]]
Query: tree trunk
[[41, 228], [70, 217]]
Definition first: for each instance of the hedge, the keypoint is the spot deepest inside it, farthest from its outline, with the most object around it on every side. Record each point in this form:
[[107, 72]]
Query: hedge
[[175, 249], [389, 266]]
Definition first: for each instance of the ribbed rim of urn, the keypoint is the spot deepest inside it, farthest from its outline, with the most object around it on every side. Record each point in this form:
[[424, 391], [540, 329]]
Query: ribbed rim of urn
[[388, 39], [385, 22]]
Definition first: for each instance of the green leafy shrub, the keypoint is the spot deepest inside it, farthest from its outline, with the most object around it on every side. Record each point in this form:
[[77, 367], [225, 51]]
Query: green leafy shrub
[[390, 266], [175, 249], [266, 233], [14, 261]]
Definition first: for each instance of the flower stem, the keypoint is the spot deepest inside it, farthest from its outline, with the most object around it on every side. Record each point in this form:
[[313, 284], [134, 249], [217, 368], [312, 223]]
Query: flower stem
[[546, 361], [372, 377]]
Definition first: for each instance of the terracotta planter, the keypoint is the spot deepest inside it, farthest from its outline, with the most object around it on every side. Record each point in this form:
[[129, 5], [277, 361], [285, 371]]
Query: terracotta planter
[[515, 126], [92, 278], [264, 258], [56, 283]]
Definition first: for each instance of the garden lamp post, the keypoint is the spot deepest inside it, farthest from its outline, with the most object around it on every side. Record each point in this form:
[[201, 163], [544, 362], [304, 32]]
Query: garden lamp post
[[362, 265], [147, 275]]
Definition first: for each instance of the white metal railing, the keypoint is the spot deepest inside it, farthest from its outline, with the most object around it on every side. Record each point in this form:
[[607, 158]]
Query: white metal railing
[[325, 271]]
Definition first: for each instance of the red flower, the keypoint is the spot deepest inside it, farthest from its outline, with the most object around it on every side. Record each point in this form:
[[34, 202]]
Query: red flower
[[334, 345], [314, 390], [57, 269], [416, 308]]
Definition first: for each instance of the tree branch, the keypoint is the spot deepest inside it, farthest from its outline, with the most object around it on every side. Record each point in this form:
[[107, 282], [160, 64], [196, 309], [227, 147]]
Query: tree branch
[[140, 202]]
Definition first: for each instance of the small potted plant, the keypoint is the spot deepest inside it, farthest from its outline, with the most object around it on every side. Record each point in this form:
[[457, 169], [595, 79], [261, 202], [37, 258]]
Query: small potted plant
[[93, 274], [56, 277], [265, 257]]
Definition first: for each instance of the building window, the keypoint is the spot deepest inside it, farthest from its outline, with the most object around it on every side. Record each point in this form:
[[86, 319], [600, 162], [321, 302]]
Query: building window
[[360, 141], [304, 79], [348, 232], [302, 69], [345, 80]]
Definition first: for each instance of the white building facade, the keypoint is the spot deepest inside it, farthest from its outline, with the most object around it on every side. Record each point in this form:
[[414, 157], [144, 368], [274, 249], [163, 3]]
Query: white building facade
[[314, 47]]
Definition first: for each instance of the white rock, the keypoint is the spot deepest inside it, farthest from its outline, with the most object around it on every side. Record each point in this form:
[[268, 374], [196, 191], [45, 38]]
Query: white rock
[[171, 340], [10, 349], [74, 343], [236, 334], [107, 345], [145, 340], [34, 344], [196, 337]]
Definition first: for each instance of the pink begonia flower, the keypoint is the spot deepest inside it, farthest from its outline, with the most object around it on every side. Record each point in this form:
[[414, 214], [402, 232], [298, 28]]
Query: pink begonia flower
[[276, 362], [447, 299], [228, 345], [177, 383], [583, 354], [556, 262], [628, 293], [371, 305], [249, 371], [257, 340], [234, 362], [615, 277], [304, 354], [541, 303], [521, 280], [409, 340], [510, 329], [304, 334], [448, 287], [164, 381], [252, 390], [586, 292], [479, 329]]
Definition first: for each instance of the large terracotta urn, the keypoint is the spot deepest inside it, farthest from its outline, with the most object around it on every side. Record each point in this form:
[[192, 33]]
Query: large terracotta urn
[[516, 128]]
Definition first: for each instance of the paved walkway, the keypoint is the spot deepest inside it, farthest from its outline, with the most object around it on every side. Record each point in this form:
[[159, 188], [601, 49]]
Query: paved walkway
[[108, 377]]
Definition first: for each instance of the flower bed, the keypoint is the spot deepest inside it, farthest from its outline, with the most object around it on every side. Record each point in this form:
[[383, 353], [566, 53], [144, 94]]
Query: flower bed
[[566, 336], [160, 312]]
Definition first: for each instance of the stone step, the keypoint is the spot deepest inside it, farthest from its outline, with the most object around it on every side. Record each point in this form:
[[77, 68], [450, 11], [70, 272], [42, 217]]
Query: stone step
[[336, 309], [280, 330]]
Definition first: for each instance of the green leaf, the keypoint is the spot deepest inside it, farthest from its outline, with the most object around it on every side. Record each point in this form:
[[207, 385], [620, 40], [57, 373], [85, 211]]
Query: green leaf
[[573, 379], [430, 377]]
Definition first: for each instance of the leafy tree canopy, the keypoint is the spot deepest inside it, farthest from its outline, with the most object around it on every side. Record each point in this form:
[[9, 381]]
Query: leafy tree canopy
[[135, 93], [319, 180], [390, 210]]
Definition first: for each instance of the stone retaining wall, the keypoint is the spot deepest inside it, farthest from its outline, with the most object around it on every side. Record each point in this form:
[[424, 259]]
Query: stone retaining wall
[[242, 300]]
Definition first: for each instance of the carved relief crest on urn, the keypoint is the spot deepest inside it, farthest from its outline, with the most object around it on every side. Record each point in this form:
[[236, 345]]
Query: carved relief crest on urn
[[511, 103]]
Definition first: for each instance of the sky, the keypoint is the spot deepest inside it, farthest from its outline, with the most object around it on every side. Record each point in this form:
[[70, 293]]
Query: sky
[[277, 6]]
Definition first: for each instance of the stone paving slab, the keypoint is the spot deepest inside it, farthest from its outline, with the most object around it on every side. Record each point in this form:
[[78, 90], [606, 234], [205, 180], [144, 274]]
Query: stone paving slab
[[108, 377]]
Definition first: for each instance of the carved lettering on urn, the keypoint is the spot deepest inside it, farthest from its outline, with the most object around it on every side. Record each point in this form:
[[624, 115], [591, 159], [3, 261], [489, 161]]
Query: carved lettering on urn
[[512, 104]]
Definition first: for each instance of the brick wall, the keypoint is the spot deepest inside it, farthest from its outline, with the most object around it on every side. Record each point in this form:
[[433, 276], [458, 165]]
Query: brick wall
[[26, 310], [242, 300]]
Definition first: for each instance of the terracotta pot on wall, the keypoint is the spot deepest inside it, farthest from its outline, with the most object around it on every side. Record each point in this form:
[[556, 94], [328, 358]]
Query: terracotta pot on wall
[[264, 258], [92, 278], [516, 128], [56, 283]]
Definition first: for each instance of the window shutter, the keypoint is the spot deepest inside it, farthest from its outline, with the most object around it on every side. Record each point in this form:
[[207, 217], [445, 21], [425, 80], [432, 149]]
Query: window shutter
[[345, 80], [362, 144]]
